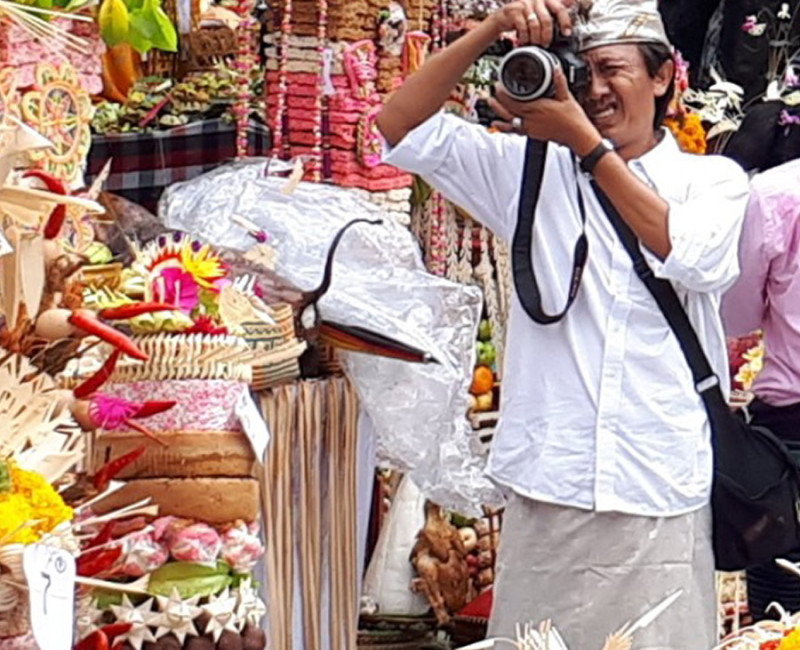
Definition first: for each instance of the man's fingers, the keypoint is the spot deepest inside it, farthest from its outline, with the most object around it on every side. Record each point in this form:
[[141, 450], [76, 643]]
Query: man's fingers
[[521, 26], [561, 86], [560, 9], [500, 110], [545, 23]]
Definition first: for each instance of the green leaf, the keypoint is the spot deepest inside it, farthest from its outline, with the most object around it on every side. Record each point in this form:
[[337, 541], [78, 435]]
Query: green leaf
[[140, 35], [166, 36], [5, 477]]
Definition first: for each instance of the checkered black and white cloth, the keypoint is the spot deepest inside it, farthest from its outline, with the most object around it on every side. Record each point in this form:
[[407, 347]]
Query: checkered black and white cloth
[[144, 164]]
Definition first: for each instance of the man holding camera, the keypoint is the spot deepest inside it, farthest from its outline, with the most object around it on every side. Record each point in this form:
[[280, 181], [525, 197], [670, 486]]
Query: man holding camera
[[603, 441]]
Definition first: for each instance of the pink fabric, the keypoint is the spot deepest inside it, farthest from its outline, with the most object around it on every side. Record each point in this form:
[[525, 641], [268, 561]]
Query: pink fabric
[[374, 173], [303, 125], [767, 294], [305, 78], [25, 642], [203, 404], [401, 181]]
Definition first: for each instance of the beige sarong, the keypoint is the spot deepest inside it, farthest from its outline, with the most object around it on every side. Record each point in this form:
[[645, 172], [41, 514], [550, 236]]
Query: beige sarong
[[592, 572]]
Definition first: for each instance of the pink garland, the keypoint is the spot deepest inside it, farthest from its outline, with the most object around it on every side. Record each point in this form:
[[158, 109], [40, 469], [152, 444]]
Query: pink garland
[[243, 64], [321, 102], [280, 144]]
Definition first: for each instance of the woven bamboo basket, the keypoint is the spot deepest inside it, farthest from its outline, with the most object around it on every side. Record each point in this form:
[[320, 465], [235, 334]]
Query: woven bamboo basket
[[13, 600], [266, 336], [204, 47]]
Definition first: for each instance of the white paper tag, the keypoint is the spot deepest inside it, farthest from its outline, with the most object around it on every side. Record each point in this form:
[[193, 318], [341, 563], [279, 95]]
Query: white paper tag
[[253, 424], [5, 247], [328, 88], [294, 179], [50, 573]]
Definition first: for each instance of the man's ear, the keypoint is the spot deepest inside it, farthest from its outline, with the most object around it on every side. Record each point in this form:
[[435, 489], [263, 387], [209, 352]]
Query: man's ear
[[663, 78]]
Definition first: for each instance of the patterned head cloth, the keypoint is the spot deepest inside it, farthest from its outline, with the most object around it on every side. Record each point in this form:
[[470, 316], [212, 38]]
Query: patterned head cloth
[[609, 22]]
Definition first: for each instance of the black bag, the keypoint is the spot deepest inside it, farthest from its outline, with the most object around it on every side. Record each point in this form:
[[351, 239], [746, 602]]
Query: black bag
[[756, 490]]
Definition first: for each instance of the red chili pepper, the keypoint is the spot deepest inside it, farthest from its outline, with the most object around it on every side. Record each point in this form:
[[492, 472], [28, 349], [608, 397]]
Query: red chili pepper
[[85, 320], [108, 471], [97, 640], [114, 630], [103, 536], [149, 409], [100, 561], [145, 431], [124, 312], [55, 185], [99, 378]]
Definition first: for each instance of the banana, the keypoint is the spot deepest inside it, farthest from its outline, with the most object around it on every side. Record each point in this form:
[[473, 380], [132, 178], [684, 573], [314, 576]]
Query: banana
[[114, 21]]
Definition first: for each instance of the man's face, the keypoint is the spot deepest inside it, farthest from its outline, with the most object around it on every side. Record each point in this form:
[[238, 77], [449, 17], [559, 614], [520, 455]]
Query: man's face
[[621, 99]]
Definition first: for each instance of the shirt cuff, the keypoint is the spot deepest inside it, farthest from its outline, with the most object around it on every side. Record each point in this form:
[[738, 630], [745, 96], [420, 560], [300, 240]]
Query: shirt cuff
[[422, 151]]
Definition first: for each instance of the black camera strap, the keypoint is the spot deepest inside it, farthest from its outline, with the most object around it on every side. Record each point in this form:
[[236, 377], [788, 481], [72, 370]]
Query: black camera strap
[[705, 379], [522, 245]]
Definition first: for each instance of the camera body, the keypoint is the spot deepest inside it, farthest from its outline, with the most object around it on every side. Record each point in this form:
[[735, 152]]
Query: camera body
[[528, 73]]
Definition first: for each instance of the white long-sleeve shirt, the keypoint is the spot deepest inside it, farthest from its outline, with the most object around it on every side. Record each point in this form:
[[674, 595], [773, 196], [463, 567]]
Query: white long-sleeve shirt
[[599, 411]]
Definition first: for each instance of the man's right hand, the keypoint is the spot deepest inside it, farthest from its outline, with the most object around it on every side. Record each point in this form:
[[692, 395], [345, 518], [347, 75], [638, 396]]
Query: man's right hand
[[534, 20]]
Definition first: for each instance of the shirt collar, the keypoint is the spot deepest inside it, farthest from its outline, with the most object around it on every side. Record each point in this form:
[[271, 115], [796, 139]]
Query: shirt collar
[[662, 154]]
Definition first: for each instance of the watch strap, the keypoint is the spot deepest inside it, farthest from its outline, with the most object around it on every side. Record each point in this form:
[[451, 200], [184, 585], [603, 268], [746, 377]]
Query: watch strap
[[590, 162]]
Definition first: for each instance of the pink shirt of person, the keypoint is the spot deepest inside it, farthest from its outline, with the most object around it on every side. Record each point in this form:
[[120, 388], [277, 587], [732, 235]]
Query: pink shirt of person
[[767, 294]]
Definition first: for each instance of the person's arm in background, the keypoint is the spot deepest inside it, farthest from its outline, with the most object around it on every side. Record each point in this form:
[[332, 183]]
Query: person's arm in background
[[744, 304], [425, 92]]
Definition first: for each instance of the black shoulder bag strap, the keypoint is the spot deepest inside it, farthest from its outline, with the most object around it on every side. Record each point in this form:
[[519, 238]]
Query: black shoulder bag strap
[[705, 379], [522, 245]]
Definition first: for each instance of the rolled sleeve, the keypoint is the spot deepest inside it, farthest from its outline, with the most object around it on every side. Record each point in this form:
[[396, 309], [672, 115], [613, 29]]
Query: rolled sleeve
[[477, 170], [705, 228]]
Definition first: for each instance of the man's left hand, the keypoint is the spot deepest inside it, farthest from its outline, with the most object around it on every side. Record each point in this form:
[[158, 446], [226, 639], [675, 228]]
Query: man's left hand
[[558, 119]]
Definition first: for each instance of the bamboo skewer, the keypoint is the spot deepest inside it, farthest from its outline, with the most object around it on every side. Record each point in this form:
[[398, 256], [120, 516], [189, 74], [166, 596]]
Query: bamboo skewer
[[350, 431], [287, 409], [333, 427], [315, 435]]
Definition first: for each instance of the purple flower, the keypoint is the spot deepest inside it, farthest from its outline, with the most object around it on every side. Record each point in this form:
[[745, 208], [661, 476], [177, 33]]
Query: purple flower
[[787, 119]]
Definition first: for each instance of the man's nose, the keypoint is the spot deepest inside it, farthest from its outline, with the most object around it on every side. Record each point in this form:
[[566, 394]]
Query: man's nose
[[598, 87]]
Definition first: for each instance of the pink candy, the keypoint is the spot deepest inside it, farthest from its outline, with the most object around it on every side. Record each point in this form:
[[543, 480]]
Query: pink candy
[[144, 555], [198, 543], [241, 546]]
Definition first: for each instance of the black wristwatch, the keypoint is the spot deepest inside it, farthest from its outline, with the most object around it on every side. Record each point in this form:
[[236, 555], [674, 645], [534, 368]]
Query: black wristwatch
[[590, 162]]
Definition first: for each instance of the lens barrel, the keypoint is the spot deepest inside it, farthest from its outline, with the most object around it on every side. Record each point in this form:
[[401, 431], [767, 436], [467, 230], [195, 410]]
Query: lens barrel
[[527, 73]]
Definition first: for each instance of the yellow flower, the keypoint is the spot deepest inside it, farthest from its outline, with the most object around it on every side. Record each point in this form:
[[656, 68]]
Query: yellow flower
[[791, 642], [31, 498], [204, 266]]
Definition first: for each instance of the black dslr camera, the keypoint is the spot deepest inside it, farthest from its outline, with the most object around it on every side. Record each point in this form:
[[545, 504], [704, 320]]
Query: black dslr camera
[[527, 73]]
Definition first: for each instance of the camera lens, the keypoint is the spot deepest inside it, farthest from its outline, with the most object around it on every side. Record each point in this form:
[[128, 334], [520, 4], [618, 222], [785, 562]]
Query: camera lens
[[527, 73]]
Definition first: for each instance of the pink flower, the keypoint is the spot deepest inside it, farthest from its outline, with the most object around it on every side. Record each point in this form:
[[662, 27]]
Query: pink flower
[[177, 287], [753, 27], [790, 79], [111, 412], [787, 119]]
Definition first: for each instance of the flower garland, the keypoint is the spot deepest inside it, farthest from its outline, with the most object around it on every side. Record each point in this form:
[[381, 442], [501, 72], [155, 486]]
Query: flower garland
[[243, 64], [28, 498], [688, 130]]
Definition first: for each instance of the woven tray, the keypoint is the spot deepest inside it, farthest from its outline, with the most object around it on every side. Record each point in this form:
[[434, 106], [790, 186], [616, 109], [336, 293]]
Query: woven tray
[[264, 336], [13, 621]]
